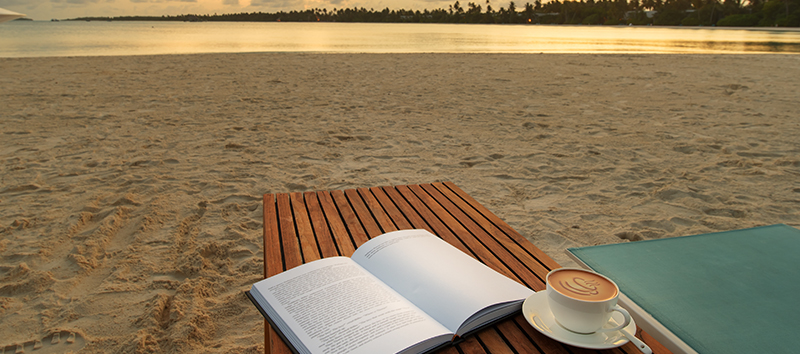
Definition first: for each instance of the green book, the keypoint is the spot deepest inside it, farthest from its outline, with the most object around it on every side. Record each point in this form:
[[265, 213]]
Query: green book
[[727, 292]]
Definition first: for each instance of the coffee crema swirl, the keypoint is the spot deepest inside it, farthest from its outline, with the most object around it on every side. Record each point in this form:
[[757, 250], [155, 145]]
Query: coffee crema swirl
[[582, 285]]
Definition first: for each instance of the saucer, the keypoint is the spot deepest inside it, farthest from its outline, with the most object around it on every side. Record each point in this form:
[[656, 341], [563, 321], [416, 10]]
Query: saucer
[[537, 313]]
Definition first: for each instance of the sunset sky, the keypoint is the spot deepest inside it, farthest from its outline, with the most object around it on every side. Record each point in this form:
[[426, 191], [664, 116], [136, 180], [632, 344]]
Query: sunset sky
[[61, 9]]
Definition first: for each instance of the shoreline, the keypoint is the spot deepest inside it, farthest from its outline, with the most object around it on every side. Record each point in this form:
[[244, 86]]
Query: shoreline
[[130, 202], [312, 53], [768, 28]]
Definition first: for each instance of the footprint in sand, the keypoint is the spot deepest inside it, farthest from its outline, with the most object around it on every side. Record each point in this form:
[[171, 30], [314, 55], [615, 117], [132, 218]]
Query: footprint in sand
[[57, 342]]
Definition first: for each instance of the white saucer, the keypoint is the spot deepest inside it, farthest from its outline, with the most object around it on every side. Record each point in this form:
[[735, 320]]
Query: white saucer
[[537, 313]]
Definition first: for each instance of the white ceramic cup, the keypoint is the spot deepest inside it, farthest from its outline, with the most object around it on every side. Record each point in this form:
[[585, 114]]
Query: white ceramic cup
[[583, 303]]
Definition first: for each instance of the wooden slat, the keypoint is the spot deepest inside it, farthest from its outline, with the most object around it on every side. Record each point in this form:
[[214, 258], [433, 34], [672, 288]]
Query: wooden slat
[[543, 258], [291, 252], [576, 350], [516, 337], [291, 256], [273, 261], [289, 243], [305, 231], [458, 236], [384, 221], [394, 213], [493, 342], [545, 343], [448, 350], [357, 232], [338, 229], [363, 213], [627, 348], [279, 347], [539, 263], [326, 244], [406, 209], [491, 257], [470, 345], [511, 259], [268, 333], [415, 210]]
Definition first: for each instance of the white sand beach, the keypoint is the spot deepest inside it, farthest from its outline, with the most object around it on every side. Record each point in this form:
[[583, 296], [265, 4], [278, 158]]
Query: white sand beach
[[130, 187]]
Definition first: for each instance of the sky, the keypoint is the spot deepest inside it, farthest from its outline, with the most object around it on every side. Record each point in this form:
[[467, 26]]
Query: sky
[[63, 9]]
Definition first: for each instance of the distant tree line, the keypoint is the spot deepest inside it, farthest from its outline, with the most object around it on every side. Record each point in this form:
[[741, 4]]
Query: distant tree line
[[745, 13]]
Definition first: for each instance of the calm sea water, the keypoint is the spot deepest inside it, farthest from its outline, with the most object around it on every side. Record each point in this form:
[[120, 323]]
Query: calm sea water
[[44, 38]]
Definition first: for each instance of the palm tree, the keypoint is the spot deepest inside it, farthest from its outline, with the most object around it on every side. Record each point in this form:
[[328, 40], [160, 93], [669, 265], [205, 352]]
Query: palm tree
[[457, 7], [529, 12], [473, 13]]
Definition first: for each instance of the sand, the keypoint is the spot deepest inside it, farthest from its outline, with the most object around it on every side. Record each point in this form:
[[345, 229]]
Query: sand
[[130, 215]]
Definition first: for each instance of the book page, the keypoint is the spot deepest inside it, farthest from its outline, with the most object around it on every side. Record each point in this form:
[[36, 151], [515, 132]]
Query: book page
[[334, 306], [438, 278]]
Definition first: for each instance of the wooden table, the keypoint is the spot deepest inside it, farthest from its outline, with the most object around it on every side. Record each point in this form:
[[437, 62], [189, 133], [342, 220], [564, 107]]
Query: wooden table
[[303, 227]]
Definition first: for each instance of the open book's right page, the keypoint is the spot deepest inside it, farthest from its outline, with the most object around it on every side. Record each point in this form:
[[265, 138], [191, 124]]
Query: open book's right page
[[438, 278]]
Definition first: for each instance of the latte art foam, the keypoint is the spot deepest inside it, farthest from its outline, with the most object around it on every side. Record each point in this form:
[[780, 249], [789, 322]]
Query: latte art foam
[[582, 285]]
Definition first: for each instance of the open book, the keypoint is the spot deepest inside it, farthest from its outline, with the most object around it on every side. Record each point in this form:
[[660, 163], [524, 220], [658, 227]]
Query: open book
[[402, 292]]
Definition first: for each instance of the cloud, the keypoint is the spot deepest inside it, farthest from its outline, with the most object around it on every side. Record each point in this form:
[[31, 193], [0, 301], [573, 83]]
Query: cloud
[[79, 2], [231, 2], [278, 4], [7, 4], [74, 2]]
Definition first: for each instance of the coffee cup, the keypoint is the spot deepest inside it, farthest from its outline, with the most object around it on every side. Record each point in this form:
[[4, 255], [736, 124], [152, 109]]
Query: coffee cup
[[583, 301]]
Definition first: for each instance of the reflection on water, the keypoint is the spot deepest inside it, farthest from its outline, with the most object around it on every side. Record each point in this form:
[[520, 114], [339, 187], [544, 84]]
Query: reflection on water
[[33, 38], [750, 47], [709, 46]]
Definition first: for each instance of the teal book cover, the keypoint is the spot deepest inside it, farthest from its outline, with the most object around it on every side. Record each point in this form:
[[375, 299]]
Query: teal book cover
[[726, 292]]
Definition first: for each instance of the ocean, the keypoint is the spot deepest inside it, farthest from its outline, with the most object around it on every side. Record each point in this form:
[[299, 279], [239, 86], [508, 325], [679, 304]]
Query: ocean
[[103, 38]]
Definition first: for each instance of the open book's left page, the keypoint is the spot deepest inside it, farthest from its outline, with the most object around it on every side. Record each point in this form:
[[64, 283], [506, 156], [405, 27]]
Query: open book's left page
[[333, 306]]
